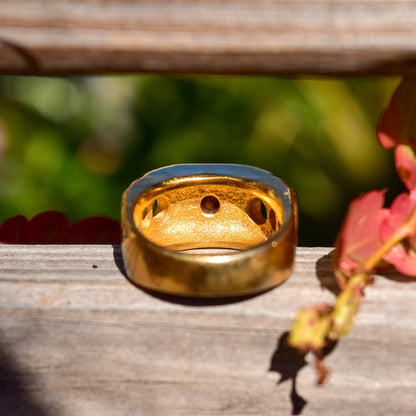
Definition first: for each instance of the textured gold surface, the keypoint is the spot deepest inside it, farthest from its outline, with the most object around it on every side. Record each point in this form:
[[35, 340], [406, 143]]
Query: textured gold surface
[[173, 230], [180, 222]]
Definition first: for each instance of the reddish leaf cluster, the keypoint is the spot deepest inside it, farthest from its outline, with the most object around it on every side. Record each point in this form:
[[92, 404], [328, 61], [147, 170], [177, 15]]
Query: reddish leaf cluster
[[371, 233], [52, 227], [371, 236]]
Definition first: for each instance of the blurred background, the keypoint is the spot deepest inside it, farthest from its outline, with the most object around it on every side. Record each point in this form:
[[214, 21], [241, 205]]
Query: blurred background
[[75, 144]]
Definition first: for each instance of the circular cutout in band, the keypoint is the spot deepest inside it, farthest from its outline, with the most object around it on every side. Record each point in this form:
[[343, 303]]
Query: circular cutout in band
[[257, 211], [210, 204]]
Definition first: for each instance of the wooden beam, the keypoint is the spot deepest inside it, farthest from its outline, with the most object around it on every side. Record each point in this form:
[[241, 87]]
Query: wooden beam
[[208, 36], [77, 338]]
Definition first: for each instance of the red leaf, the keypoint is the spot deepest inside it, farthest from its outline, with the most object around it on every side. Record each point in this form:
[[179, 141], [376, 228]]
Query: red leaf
[[360, 234], [402, 256], [403, 259], [14, 230], [398, 122], [95, 230], [48, 227], [405, 160], [51, 227]]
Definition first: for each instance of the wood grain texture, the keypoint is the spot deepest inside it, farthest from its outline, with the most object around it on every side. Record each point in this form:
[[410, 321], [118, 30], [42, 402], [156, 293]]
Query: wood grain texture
[[208, 36], [77, 338]]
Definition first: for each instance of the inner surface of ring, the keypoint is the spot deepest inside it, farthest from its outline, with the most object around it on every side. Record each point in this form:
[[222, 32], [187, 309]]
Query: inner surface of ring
[[208, 214]]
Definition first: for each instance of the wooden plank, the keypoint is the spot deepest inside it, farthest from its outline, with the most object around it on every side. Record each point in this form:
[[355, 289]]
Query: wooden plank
[[208, 36], [77, 338]]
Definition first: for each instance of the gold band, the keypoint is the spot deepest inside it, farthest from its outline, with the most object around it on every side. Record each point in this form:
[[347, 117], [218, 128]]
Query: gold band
[[209, 230]]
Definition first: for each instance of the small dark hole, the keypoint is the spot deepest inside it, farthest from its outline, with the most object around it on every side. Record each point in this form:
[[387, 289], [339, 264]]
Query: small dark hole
[[263, 210], [257, 211], [94, 266], [272, 219], [159, 205], [210, 204], [154, 207]]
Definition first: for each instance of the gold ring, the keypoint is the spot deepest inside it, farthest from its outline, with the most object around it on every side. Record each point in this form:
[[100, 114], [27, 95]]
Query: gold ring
[[209, 230]]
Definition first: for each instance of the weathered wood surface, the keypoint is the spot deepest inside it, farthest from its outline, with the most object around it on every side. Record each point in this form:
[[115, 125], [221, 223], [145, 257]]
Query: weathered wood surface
[[208, 36], [76, 338]]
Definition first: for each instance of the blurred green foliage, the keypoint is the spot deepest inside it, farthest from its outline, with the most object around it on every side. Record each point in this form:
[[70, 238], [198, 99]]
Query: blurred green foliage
[[75, 144]]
